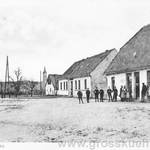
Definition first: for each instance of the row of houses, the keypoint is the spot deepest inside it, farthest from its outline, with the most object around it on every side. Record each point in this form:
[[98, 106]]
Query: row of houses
[[83, 74], [129, 67]]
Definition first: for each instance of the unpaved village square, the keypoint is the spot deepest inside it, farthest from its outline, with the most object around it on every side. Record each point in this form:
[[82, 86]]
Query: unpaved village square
[[63, 119]]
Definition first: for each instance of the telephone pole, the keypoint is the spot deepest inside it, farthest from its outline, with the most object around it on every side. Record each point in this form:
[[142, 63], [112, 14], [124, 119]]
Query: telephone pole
[[7, 79]]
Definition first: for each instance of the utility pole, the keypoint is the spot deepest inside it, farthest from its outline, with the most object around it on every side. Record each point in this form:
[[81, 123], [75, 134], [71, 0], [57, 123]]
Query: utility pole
[[40, 84], [7, 78]]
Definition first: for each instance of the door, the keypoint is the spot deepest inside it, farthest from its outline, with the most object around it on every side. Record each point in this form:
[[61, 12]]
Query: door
[[137, 84], [112, 82], [148, 83], [71, 88], [129, 81]]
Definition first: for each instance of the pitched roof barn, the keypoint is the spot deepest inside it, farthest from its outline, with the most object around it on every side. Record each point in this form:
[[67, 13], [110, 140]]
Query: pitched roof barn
[[84, 67], [134, 55]]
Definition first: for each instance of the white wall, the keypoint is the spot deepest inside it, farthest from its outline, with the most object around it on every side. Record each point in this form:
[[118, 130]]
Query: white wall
[[62, 91], [143, 79], [120, 79], [82, 88]]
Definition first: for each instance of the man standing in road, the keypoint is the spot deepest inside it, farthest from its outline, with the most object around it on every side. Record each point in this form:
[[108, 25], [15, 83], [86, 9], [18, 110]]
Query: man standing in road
[[79, 93], [109, 91], [87, 95], [101, 92], [96, 93], [143, 92]]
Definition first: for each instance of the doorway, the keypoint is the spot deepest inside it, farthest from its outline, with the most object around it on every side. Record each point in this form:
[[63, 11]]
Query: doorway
[[137, 84], [129, 82], [71, 92], [112, 82], [148, 84]]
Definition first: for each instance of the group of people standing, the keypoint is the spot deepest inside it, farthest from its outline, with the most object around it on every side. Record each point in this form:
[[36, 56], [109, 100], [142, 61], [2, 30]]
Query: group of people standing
[[112, 94], [99, 95], [125, 94], [80, 94]]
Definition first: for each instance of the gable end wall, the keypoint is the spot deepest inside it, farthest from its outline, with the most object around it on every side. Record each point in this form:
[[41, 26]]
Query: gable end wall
[[98, 79]]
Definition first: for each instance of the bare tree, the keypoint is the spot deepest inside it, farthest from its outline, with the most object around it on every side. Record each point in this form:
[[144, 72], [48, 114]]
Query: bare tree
[[32, 86], [18, 81]]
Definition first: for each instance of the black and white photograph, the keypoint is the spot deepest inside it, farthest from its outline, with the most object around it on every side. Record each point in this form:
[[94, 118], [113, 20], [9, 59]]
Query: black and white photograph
[[74, 74]]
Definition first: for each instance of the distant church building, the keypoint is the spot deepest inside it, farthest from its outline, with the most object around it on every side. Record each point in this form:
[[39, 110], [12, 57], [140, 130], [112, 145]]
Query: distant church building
[[86, 73], [50, 83]]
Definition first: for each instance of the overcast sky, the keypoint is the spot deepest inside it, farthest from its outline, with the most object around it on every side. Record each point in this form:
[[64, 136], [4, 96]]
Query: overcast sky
[[56, 33]]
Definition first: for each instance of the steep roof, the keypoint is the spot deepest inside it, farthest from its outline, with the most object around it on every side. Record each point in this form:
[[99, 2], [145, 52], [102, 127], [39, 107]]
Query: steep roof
[[134, 55], [53, 78], [44, 70], [84, 67]]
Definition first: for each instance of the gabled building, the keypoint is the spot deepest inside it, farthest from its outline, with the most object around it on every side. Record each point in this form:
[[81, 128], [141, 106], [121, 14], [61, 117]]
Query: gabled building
[[131, 66], [86, 73], [52, 84]]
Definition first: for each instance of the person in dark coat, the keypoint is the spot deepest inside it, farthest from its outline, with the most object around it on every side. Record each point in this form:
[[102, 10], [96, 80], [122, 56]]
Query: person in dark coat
[[96, 93], [87, 95], [109, 91], [121, 93], [143, 92], [71, 92], [101, 92], [115, 94], [79, 93]]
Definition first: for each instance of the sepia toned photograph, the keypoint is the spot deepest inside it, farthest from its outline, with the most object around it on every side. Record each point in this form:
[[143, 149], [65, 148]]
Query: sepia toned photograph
[[75, 74]]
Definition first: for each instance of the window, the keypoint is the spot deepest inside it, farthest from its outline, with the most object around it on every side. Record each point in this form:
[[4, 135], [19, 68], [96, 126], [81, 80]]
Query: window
[[66, 85], [61, 85], [76, 84], [79, 84], [85, 84]]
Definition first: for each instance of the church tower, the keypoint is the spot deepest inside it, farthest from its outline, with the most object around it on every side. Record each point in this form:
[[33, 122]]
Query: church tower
[[44, 80]]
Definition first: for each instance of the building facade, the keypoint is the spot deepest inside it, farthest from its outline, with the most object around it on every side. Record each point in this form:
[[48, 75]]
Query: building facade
[[86, 73], [131, 66], [52, 84], [71, 87]]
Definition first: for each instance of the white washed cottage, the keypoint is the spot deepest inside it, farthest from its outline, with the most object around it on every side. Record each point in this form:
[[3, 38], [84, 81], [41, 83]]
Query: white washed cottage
[[131, 66], [86, 73]]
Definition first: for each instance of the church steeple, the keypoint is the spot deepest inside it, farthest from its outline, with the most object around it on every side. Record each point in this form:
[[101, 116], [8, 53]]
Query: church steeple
[[44, 70], [44, 80]]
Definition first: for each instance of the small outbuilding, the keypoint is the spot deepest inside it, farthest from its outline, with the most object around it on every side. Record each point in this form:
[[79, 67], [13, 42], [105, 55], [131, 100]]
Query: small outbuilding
[[52, 84]]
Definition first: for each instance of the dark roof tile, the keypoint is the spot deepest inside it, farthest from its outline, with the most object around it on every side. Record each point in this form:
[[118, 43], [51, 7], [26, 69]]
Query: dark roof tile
[[84, 67], [134, 55]]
